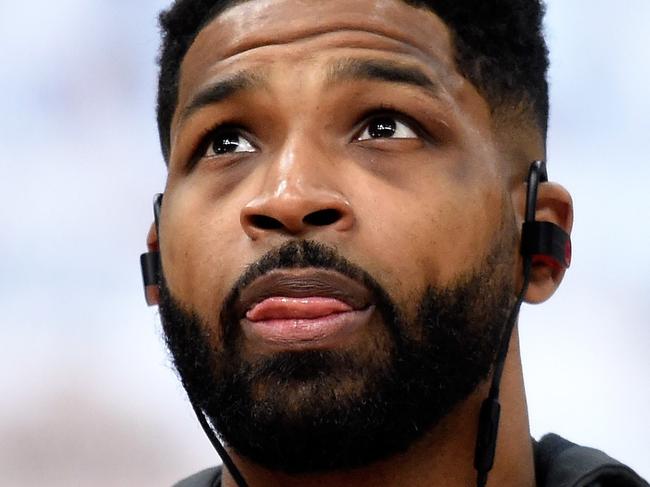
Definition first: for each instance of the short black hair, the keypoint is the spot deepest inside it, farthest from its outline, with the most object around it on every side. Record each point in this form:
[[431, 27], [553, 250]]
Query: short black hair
[[499, 44]]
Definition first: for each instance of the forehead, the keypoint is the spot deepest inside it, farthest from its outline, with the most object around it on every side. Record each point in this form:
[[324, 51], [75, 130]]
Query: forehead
[[252, 23], [249, 29]]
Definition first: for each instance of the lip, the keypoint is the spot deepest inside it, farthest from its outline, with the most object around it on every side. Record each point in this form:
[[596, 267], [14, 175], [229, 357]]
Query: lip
[[320, 333], [303, 308], [304, 283]]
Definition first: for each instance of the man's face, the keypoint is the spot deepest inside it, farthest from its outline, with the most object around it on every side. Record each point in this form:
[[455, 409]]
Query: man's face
[[334, 216]]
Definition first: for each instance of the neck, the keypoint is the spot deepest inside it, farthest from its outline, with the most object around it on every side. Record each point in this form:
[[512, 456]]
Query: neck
[[445, 456]]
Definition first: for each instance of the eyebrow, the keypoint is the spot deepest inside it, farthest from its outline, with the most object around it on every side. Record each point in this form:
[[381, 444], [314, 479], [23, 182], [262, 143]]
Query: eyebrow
[[381, 70], [341, 70], [221, 90]]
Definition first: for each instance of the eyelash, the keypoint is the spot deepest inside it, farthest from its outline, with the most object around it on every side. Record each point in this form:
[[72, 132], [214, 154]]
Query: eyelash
[[208, 135], [385, 111], [364, 121]]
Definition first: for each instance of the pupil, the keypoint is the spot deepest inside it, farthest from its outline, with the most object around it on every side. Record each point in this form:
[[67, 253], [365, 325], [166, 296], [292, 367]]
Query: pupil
[[381, 128], [225, 143]]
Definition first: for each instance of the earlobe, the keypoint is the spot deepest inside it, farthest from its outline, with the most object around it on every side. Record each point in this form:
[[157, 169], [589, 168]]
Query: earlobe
[[150, 266], [152, 239], [554, 205]]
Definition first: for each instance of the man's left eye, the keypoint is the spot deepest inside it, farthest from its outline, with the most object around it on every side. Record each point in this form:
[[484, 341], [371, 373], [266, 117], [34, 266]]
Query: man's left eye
[[386, 128]]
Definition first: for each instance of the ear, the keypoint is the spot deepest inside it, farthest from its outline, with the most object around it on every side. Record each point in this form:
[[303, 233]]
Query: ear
[[152, 291], [554, 205]]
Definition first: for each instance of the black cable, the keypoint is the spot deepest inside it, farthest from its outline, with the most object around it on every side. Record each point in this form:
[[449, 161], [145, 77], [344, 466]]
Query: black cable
[[505, 342], [216, 443], [486, 438]]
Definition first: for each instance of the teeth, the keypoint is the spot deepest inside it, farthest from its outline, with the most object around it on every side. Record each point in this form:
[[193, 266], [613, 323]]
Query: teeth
[[288, 308]]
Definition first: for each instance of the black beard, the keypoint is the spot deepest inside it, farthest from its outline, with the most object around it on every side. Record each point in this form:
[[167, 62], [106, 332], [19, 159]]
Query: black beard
[[317, 411]]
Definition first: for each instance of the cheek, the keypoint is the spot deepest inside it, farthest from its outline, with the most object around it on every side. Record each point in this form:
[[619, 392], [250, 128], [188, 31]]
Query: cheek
[[199, 249], [423, 238]]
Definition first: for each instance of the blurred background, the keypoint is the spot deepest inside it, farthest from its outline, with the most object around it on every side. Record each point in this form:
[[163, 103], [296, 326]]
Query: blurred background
[[87, 393]]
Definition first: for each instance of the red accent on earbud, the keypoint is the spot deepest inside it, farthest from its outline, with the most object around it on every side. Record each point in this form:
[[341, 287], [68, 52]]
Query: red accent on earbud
[[546, 260], [567, 253]]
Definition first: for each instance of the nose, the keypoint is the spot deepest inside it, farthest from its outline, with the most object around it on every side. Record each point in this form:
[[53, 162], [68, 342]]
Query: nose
[[295, 207]]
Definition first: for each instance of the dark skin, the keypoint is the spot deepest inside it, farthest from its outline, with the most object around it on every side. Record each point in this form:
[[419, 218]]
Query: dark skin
[[311, 81]]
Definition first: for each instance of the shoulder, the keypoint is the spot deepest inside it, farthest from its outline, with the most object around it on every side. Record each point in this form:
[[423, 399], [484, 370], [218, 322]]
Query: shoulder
[[560, 463], [210, 477]]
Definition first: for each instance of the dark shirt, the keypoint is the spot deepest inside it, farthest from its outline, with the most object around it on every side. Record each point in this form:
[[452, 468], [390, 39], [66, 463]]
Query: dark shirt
[[558, 463]]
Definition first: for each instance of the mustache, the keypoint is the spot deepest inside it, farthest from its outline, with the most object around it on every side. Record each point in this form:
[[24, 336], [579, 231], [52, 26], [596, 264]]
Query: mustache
[[297, 254]]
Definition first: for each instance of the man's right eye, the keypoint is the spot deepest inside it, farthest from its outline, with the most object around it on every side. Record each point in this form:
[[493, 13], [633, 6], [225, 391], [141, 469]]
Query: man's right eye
[[227, 141]]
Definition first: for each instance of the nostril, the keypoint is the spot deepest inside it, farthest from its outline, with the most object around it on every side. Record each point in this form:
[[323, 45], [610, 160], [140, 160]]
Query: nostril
[[265, 222], [322, 218]]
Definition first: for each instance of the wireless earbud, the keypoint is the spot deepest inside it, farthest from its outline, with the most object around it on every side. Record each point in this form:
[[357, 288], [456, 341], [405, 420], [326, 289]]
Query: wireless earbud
[[150, 261], [543, 242]]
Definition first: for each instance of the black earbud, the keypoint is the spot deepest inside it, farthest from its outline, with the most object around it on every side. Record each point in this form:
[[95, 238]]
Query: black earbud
[[150, 261], [543, 242]]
